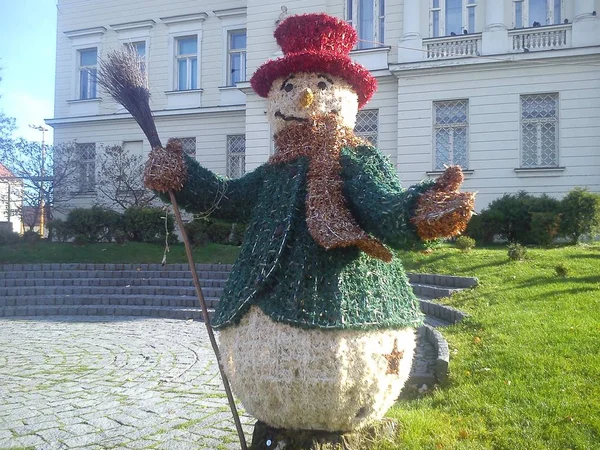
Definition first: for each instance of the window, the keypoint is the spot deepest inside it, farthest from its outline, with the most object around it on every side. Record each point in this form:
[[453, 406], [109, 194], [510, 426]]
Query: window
[[87, 62], [539, 130], [368, 17], [186, 63], [450, 131], [452, 17], [87, 167], [236, 155], [536, 13], [367, 125], [189, 145], [236, 61]]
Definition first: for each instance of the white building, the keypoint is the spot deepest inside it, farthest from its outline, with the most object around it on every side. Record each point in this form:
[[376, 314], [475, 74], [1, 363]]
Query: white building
[[11, 201], [508, 89]]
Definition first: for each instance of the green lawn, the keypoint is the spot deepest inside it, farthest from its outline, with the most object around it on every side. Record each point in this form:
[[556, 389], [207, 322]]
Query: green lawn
[[525, 367], [131, 252]]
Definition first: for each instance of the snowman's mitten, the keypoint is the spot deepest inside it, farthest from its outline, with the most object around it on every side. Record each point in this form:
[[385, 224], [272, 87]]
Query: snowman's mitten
[[442, 211], [165, 169]]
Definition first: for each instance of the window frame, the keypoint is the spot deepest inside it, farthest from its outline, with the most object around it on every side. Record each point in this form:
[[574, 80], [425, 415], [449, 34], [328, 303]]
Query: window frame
[[550, 13], [352, 10], [243, 57], [540, 121], [229, 156], [184, 141], [92, 71], [467, 7], [191, 83], [365, 134], [87, 169], [436, 127]]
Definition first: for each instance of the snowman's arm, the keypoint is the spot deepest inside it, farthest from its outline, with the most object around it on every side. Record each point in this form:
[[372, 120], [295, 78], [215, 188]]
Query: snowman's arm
[[223, 198], [377, 200]]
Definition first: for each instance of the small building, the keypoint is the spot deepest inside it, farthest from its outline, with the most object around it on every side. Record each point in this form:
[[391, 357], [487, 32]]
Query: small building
[[508, 89], [11, 201]]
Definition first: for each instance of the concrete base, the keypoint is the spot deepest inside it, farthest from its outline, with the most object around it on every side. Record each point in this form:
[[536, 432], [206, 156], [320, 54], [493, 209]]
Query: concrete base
[[269, 438]]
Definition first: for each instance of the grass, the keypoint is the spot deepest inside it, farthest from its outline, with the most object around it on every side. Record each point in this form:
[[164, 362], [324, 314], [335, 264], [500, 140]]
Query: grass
[[525, 367], [131, 252]]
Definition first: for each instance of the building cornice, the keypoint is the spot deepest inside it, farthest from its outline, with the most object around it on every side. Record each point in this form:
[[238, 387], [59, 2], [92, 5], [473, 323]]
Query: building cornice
[[197, 17], [221, 13], [84, 32], [171, 113], [133, 25]]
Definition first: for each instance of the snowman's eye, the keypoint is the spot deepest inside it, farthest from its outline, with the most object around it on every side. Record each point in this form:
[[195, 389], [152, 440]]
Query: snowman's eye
[[322, 85], [288, 87]]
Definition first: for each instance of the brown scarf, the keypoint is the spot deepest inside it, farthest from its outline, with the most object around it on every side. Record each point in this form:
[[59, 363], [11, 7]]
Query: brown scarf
[[329, 221]]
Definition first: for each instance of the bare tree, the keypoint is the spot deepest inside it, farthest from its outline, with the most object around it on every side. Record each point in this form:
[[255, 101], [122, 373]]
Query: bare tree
[[121, 179], [48, 173]]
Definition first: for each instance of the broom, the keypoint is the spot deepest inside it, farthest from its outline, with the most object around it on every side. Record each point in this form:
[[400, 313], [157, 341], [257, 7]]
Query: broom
[[122, 77]]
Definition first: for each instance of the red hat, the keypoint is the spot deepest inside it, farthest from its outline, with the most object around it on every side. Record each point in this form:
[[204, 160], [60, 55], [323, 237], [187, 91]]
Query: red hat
[[316, 43]]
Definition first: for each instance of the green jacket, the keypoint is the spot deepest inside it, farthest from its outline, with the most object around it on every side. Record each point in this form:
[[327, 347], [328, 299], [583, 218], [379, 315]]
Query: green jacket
[[280, 267]]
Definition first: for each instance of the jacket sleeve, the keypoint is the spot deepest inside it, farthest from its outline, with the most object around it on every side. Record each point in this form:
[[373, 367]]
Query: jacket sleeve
[[377, 200], [221, 197]]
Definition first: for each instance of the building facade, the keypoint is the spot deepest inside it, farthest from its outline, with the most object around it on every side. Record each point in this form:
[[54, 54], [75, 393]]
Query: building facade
[[510, 90], [11, 201]]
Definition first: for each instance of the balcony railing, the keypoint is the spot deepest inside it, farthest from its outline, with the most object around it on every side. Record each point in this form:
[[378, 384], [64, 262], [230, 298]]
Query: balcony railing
[[453, 47], [541, 38]]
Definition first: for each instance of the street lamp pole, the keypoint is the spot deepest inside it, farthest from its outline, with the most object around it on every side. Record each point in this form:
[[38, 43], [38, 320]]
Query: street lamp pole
[[43, 174]]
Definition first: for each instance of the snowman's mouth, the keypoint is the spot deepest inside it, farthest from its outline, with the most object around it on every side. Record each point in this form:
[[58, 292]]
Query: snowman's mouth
[[289, 118]]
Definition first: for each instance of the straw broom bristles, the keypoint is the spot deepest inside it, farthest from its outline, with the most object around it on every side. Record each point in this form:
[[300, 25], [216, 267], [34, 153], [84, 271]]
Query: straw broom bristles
[[122, 77]]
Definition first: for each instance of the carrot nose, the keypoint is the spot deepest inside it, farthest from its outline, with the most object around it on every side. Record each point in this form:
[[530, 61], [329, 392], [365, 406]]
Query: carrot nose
[[306, 98]]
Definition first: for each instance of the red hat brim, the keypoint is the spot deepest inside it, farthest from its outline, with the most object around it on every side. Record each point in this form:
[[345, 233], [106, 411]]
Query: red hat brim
[[361, 80]]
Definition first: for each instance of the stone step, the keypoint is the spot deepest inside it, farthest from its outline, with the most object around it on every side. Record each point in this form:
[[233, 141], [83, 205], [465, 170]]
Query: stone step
[[132, 301], [109, 290], [105, 310], [441, 315], [185, 282], [113, 266], [128, 274], [432, 291], [449, 281]]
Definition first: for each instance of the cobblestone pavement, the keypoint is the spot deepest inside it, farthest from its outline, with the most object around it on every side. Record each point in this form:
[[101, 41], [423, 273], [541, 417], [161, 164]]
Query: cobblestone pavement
[[111, 382]]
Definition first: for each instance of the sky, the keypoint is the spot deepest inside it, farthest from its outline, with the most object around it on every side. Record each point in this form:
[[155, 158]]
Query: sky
[[27, 59]]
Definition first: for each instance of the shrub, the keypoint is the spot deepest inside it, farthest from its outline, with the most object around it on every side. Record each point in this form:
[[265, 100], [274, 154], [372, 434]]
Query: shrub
[[95, 224], [31, 237], [544, 227], [196, 231], [219, 232], [144, 224], [465, 243], [516, 252], [510, 217], [237, 233], [561, 270], [8, 237], [120, 236], [482, 227], [81, 240], [58, 231], [580, 214]]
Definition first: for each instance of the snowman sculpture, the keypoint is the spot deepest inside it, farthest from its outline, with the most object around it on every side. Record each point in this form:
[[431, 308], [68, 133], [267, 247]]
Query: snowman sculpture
[[317, 321]]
